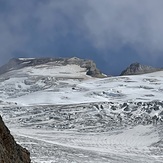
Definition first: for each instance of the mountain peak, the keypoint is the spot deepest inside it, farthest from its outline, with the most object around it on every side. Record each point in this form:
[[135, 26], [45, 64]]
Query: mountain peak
[[137, 68]]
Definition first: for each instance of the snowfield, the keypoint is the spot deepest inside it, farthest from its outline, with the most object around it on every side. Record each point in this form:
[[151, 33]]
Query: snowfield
[[61, 115], [66, 89]]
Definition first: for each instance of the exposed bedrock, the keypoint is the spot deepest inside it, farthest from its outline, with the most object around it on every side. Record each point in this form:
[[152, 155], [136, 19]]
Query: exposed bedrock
[[10, 151]]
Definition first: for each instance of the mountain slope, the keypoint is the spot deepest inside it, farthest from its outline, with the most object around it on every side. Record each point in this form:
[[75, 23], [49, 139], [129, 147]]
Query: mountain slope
[[60, 114], [19, 63]]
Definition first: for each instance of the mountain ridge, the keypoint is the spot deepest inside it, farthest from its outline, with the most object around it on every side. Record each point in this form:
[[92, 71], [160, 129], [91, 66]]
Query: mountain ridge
[[137, 69], [19, 63], [91, 68]]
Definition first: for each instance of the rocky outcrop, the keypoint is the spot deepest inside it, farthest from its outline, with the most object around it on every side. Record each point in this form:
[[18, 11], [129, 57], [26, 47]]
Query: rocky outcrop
[[18, 63], [137, 68], [10, 151]]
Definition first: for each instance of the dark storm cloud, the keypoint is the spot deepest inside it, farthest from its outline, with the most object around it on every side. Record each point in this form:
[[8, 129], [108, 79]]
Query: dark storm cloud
[[106, 29], [31, 27]]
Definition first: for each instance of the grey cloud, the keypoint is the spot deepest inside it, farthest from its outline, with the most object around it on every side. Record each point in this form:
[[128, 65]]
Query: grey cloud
[[61, 17], [114, 24], [13, 36], [25, 24], [106, 24]]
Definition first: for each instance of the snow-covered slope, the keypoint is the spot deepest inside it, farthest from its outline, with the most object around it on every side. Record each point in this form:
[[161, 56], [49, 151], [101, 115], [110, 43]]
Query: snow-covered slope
[[60, 114], [69, 84]]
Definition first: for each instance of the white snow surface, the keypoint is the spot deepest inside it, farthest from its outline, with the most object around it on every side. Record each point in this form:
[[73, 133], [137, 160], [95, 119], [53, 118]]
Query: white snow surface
[[132, 143], [25, 59], [118, 89], [62, 115]]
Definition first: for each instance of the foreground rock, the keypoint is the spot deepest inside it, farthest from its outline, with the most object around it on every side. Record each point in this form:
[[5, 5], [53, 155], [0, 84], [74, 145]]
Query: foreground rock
[[137, 68], [10, 152]]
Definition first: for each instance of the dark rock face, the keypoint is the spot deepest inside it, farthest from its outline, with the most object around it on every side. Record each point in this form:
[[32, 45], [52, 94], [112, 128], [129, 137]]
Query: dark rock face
[[17, 63], [137, 68], [10, 152]]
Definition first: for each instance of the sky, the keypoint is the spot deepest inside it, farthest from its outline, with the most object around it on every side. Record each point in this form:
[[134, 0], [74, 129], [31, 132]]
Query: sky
[[112, 33]]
